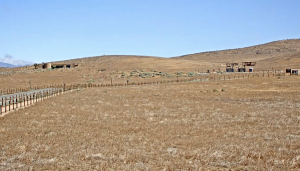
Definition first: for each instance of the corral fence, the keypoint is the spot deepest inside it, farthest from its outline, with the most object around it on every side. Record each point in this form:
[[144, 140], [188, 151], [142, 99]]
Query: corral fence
[[11, 102]]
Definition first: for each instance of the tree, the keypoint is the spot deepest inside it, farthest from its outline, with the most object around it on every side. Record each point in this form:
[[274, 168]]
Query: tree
[[36, 66]]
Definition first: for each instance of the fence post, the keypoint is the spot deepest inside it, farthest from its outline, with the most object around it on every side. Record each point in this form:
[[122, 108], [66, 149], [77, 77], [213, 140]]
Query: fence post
[[9, 103], [13, 103], [16, 101], [1, 106], [5, 105]]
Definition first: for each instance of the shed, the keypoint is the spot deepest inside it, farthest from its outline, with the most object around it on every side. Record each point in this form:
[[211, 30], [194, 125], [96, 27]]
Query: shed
[[293, 71]]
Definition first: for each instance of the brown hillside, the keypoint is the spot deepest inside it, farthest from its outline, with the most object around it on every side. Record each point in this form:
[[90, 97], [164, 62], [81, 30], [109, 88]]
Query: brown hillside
[[89, 70], [278, 55]]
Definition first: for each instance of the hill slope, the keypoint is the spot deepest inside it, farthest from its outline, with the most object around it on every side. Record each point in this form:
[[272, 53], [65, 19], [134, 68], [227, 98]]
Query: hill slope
[[278, 55], [100, 69]]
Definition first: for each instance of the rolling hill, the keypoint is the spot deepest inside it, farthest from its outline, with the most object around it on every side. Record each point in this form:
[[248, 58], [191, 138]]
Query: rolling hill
[[277, 55]]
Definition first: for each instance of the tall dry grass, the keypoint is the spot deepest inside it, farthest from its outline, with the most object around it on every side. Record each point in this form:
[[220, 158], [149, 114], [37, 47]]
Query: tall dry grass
[[249, 124]]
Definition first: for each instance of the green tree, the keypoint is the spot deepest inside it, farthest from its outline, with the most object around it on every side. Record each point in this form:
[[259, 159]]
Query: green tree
[[36, 66]]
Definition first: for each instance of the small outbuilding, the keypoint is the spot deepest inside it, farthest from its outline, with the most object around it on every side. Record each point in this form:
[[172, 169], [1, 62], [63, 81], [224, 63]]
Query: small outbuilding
[[57, 65], [293, 71]]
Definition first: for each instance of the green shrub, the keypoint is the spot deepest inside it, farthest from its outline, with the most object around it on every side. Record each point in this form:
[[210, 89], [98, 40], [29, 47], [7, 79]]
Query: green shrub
[[191, 74]]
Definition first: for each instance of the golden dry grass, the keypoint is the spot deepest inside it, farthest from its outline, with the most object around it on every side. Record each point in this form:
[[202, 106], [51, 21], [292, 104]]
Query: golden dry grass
[[253, 124], [88, 69], [278, 55]]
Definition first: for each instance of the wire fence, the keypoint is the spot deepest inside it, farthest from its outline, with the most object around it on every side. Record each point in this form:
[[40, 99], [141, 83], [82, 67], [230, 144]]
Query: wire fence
[[13, 102], [19, 99]]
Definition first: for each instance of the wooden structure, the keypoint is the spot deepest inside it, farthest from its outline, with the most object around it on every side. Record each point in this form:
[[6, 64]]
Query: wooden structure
[[57, 65], [244, 64], [230, 66], [293, 71]]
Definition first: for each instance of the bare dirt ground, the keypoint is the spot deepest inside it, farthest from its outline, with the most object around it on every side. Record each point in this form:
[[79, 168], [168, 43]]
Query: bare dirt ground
[[246, 124]]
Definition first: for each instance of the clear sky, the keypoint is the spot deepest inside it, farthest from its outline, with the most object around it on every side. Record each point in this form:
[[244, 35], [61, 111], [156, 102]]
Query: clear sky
[[52, 30]]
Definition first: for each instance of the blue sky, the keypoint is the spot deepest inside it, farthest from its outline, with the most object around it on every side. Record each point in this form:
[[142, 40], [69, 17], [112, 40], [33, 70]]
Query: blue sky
[[52, 30]]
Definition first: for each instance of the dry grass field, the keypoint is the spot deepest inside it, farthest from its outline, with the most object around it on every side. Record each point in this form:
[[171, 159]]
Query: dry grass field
[[241, 124], [89, 69], [244, 124], [277, 55]]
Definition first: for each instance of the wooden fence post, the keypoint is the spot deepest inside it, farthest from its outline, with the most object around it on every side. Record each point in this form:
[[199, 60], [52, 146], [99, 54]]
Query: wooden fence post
[[20, 100], [9, 103], [5, 105], [16, 101], [1, 107]]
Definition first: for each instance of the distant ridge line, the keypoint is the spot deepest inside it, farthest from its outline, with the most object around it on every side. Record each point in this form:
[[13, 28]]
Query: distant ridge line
[[272, 42]]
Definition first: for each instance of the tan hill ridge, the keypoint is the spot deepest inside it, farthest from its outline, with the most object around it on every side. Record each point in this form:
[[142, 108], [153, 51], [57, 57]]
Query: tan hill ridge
[[278, 55]]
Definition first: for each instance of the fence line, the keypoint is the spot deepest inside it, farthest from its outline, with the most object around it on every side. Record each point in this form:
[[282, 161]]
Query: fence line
[[73, 86], [23, 100], [15, 102]]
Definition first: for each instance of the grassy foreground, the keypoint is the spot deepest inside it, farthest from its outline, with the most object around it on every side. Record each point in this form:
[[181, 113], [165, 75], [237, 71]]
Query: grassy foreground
[[251, 124]]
